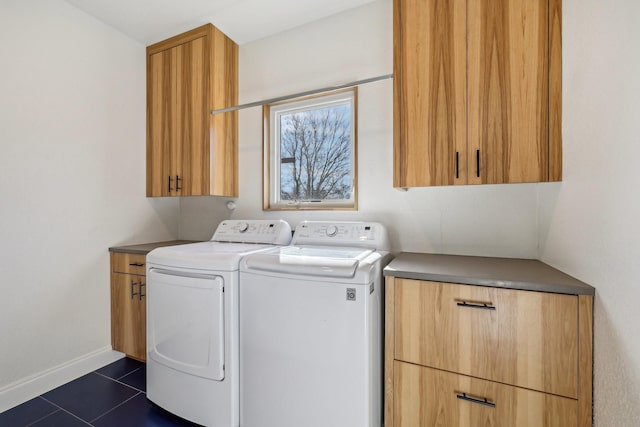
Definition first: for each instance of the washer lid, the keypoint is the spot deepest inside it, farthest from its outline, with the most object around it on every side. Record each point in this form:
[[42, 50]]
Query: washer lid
[[310, 260], [209, 256]]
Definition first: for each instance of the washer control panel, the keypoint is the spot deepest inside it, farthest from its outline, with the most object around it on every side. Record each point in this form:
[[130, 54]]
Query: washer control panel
[[253, 231], [342, 233]]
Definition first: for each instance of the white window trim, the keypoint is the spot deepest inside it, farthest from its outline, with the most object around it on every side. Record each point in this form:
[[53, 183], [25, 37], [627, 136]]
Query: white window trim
[[271, 152]]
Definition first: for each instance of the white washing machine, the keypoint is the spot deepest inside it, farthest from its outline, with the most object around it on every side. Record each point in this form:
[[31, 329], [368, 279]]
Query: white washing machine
[[311, 328], [192, 321]]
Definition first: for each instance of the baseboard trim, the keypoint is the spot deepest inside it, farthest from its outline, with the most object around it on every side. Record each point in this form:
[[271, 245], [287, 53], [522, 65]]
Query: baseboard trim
[[32, 386]]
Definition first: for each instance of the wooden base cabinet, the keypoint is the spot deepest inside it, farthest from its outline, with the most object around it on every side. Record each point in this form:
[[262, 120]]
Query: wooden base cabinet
[[466, 355], [128, 305], [426, 397]]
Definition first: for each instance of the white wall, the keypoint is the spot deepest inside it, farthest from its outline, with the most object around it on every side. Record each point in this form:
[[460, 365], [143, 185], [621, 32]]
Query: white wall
[[199, 216], [72, 180], [488, 220], [589, 223], [73, 163]]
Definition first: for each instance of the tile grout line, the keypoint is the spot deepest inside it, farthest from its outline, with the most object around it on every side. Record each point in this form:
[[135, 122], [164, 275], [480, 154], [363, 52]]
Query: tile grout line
[[42, 418], [127, 374], [121, 383], [115, 407], [91, 422], [64, 410], [57, 408]]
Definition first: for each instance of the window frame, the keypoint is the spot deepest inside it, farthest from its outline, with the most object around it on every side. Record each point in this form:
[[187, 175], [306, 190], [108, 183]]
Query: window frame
[[271, 150]]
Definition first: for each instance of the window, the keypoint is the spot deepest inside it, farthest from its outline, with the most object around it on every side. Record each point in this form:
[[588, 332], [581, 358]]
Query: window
[[310, 152]]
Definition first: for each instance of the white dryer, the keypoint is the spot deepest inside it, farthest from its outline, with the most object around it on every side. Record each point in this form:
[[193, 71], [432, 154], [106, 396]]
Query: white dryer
[[311, 328], [192, 321]]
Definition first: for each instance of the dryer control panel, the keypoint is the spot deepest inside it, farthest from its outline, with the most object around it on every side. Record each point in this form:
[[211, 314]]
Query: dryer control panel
[[370, 235], [276, 232]]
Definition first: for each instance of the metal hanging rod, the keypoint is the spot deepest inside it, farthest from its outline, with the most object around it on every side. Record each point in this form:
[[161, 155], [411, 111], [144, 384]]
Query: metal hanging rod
[[301, 94]]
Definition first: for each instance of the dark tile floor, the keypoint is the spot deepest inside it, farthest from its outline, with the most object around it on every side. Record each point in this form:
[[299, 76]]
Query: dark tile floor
[[112, 396]]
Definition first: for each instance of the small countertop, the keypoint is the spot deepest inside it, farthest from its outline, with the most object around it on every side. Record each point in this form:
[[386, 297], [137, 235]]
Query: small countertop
[[524, 274], [145, 248]]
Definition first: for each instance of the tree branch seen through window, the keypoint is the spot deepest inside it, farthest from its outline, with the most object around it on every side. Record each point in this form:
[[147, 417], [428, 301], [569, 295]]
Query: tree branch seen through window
[[312, 152]]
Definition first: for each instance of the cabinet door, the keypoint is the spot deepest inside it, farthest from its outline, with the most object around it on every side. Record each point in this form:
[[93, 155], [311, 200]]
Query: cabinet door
[[508, 89], [523, 338], [128, 315], [160, 124], [425, 397], [191, 138], [177, 144], [429, 92]]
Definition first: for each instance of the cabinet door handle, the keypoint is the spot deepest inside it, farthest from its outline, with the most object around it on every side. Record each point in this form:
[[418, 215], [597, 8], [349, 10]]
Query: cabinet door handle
[[478, 163], [457, 165], [169, 183], [141, 295], [133, 293], [136, 264], [178, 179], [480, 305], [480, 401]]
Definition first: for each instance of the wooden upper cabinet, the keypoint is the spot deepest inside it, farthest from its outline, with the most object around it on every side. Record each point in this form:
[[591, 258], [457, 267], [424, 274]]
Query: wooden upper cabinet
[[189, 151], [476, 92], [430, 92]]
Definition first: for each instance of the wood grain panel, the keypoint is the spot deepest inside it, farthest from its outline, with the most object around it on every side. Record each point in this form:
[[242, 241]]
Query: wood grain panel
[[555, 90], [128, 263], [529, 340], [223, 127], [179, 39], [176, 55], [159, 125], [192, 141], [398, 144], [585, 383], [128, 316], [427, 397], [430, 98], [389, 344], [508, 89]]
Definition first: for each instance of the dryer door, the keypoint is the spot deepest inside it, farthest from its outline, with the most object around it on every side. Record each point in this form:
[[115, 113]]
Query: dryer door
[[185, 322]]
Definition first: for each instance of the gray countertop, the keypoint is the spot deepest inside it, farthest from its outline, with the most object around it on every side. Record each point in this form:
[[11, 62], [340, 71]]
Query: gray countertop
[[145, 248], [524, 274]]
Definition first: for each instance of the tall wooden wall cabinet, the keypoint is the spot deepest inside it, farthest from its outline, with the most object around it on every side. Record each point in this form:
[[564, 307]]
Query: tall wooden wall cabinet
[[477, 92], [189, 151]]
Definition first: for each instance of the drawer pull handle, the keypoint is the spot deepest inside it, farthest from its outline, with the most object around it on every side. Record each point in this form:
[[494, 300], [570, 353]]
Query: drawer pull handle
[[136, 264], [481, 401], [141, 295], [480, 305], [133, 293]]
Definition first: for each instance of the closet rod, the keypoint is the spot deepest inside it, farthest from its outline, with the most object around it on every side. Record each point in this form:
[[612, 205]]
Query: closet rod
[[301, 94]]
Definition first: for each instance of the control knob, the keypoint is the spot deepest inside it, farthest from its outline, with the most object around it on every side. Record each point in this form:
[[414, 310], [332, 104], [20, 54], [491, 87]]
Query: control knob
[[242, 227], [332, 230]]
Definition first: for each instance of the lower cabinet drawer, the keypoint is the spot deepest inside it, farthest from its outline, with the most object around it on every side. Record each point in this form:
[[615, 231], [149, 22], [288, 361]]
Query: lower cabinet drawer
[[128, 263], [522, 338], [426, 397]]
